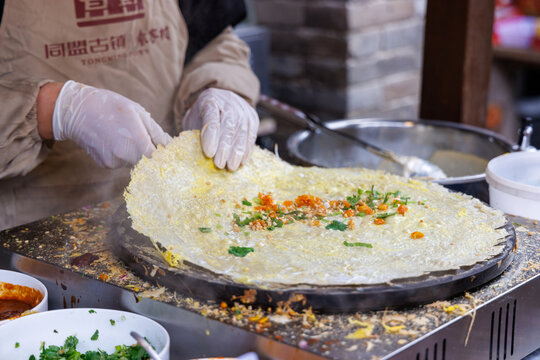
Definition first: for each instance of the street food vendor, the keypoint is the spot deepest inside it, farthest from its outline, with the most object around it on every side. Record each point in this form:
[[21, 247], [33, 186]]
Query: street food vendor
[[89, 87]]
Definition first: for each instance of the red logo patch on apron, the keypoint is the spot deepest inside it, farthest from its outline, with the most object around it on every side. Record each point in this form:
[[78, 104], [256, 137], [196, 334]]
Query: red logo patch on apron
[[99, 12]]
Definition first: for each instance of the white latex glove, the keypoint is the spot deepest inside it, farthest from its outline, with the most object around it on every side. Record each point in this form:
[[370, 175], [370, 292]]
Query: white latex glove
[[111, 128], [228, 126]]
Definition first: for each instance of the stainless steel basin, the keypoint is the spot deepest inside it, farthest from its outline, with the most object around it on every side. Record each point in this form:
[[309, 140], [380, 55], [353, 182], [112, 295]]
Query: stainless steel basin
[[461, 151]]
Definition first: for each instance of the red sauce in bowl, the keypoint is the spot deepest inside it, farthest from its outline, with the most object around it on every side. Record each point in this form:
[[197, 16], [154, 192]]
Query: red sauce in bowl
[[12, 308], [16, 299]]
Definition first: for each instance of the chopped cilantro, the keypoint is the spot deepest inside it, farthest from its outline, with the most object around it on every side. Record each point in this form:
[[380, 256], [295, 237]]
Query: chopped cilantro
[[240, 251], [95, 336], [55, 331], [17, 345], [247, 203], [353, 199], [275, 223], [92, 311], [346, 243], [205, 229], [336, 225], [112, 322], [248, 220], [69, 351]]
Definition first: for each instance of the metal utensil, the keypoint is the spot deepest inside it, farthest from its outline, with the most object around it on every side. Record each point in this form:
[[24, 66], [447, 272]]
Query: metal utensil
[[412, 166], [145, 345]]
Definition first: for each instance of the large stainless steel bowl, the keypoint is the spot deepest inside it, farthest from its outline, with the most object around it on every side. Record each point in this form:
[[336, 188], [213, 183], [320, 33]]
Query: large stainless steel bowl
[[461, 151]]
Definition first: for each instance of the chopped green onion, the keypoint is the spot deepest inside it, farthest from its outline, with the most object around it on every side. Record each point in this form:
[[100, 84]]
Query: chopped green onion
[[297, 215], [357, 244], [385, 215], [205, 229], [320, 217], [247, 203], [247, 220]]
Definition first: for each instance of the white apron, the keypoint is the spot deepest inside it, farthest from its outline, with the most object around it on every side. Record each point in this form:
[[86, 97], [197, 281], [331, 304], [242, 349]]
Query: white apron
[[133, 47]]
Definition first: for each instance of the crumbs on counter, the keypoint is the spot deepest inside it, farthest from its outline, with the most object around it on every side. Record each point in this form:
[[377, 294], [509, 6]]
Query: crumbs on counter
[[77, 241]]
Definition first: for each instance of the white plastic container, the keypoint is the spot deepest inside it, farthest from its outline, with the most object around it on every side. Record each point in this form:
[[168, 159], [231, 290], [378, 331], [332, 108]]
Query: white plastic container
[[24, 336], [514, 183], [17, 278]]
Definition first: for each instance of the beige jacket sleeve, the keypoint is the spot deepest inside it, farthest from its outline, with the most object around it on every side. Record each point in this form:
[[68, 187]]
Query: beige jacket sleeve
[[224, 64], [21, 147]]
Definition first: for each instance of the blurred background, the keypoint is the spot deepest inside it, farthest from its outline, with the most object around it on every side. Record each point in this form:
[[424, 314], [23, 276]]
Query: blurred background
[[343, 59]]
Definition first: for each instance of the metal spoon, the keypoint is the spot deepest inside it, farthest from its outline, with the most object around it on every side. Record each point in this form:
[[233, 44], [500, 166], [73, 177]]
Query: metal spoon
[[145, 345], [412, 166]]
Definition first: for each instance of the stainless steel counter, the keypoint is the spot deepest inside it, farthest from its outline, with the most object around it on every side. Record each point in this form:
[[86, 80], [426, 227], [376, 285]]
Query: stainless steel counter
[[70, 254]]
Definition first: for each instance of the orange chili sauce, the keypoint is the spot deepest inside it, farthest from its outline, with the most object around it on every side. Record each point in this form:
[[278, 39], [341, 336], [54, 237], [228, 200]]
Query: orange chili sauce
[[16, 299]]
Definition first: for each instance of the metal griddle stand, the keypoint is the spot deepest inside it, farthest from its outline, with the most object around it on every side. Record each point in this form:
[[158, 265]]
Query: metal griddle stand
[[501, 329], [138, 252]]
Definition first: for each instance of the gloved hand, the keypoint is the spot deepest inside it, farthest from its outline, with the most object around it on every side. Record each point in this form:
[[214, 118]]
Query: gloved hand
[[111, 128], [228, 126]]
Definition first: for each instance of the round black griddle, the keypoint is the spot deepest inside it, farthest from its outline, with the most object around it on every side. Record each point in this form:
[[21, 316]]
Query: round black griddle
[[138, 252]]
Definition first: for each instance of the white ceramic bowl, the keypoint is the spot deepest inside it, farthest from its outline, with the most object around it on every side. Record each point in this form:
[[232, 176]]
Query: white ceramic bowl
[[514, 183], [17, 278], [53, 327]]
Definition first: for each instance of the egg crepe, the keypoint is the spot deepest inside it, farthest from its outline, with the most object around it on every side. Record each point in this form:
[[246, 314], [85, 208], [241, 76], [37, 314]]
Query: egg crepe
[[274, 223]]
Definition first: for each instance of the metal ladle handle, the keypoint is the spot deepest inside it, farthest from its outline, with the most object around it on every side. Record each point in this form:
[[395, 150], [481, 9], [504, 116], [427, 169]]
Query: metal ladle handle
[[299, 117], [525, 134], [145, 345]]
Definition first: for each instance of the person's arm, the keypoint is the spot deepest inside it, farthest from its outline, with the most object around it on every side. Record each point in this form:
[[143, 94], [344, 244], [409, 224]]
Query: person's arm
[[111, 128], [46, 99], [217, 95], [224, 64], [22, 148], [114, 130]]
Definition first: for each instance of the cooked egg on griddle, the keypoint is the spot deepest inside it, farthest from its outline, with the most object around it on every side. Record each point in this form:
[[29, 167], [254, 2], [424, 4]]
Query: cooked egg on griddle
[[274, 223]]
